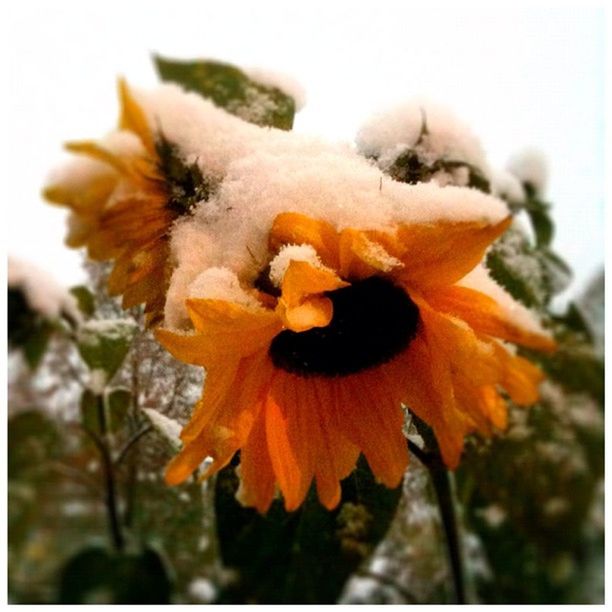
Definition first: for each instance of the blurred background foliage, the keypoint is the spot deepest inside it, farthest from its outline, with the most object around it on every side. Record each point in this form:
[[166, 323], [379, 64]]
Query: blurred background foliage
[[95, 408]]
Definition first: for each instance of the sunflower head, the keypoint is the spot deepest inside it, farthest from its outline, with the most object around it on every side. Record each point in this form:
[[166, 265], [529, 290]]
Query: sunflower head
[[124, 194], [353, 326]]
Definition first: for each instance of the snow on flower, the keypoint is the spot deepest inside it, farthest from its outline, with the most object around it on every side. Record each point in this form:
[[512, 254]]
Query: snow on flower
[[320, 294]]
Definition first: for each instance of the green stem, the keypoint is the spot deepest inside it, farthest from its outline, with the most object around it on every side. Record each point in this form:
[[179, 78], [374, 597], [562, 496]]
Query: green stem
[[441, 481], [109, 479], [442, 484]]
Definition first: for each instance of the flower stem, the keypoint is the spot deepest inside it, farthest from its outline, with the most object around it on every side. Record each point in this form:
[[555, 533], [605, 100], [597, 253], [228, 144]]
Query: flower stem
[[109, 479], [441, 481]]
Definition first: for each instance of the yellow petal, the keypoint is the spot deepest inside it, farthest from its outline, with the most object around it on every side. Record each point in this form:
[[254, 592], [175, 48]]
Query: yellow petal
[[97, 151], [132, 117]]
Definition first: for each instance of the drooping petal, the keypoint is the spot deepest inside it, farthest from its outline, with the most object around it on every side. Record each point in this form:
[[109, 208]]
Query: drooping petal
[[483, 314], [291, 430], [430, 393], [520, 377], [371, 418], [336, 455], [442, 253], [257, 481]]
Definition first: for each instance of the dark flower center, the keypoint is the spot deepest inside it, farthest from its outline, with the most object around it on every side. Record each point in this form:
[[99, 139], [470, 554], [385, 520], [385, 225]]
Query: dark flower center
[[373, 321]]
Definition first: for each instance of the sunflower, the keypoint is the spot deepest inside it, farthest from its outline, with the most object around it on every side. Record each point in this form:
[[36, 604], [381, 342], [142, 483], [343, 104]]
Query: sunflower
[[124, 204], [363, 323]]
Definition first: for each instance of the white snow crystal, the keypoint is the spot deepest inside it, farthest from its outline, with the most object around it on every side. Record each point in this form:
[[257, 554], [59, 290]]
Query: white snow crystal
[[202, 589], [289, 253], [507, 186], [221, 284], [41, 292]]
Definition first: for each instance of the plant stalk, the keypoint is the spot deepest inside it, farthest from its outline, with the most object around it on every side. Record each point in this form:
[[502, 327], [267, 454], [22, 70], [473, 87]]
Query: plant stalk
[[110, 486], [441, 481]]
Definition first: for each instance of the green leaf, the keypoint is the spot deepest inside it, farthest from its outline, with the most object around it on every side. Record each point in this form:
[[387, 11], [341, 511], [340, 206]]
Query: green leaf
[[542, 225], [104, 344], [97, 576], [118, 403], [305, 556], [532, 276], [32, 439], [231, 89], [85, 299]]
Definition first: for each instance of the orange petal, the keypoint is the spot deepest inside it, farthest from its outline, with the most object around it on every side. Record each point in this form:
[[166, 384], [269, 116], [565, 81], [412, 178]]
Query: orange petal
[[185, 463], [295, 228], [314, 312], [430, 395], [444, 252], [520, 377], [132, 117], [303, 279], [186, 347], [292, 434], [228, 328], [483, 314], [257, 482], [372, 419], [336, 455]]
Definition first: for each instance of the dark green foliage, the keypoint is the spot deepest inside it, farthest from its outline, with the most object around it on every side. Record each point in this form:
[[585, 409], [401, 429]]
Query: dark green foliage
[[410, 168], [186, 185], [117, 404], [95, 575], [305, 556], [27, 329], [231, 89], [85, 299], [32, 439]]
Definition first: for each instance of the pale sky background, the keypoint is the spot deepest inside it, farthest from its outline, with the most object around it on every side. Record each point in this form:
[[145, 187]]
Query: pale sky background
[[518, 75]]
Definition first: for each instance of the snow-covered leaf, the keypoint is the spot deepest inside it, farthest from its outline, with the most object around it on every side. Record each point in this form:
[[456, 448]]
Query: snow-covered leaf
[[168, 428], [231, 89], [103, 344]]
